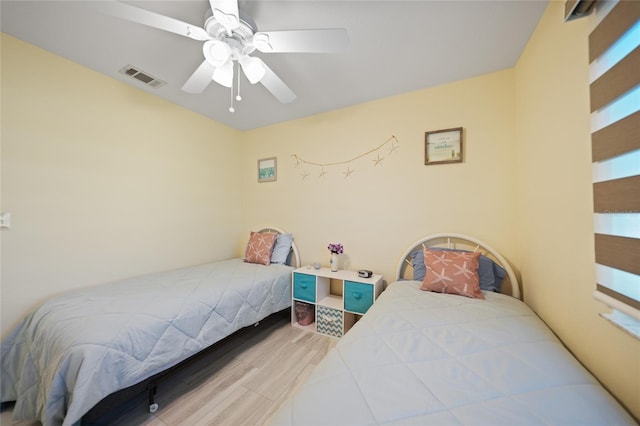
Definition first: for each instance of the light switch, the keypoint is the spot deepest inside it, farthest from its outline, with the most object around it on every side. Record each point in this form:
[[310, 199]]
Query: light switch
[[5, 220]]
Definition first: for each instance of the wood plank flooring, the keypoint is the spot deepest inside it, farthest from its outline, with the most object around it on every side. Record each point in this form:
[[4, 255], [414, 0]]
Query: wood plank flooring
[[242, 381]]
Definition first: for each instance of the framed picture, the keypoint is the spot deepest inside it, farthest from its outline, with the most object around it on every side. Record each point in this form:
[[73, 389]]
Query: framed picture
[[268, 169], [443, 146]]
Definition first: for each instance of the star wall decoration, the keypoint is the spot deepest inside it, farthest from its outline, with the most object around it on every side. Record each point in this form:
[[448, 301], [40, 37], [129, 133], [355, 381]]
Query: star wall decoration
[[348, 172], [394, 146]]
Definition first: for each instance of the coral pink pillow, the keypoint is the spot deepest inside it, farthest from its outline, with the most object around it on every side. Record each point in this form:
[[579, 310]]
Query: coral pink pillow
[[259, 248], [452, 272]]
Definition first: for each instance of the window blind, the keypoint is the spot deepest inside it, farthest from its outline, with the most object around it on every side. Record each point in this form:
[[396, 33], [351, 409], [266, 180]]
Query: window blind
[[614, 55]]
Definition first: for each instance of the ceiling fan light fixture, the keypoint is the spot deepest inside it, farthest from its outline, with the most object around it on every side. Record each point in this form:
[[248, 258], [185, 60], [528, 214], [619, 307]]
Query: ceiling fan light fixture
[[216, 52], [252, 68], [223, 74]]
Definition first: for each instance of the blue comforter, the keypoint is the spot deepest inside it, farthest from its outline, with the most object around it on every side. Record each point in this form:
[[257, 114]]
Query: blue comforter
[[423, 358], [84, 345]]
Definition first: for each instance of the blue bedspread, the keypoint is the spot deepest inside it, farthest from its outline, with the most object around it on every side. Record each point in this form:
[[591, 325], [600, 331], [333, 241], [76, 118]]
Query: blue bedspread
[[84, 345], [423, 358]]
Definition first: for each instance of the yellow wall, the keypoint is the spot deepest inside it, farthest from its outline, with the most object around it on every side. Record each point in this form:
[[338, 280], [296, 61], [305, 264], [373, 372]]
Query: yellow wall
[[555, 203], [378, 211], [104, 181]]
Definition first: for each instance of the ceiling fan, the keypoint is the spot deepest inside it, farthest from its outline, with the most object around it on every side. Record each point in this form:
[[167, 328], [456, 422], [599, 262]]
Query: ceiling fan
[[229, 39]]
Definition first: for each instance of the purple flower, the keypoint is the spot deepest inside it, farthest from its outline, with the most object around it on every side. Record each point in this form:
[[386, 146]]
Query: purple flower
[[336, 248]]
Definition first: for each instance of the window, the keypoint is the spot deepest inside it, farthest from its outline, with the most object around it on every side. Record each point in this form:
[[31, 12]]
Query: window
[[614, 55]]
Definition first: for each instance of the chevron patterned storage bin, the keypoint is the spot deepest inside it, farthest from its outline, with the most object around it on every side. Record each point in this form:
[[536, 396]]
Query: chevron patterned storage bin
[[329, 321]]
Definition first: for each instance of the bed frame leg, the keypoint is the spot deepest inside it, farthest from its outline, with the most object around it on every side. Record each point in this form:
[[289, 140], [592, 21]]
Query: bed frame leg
[[153, 389]]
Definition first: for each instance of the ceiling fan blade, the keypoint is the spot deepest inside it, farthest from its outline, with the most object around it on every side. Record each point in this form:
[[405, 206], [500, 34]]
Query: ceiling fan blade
[[276, 86], [226, 12], [200, 79], [152, 19], [302, 41]]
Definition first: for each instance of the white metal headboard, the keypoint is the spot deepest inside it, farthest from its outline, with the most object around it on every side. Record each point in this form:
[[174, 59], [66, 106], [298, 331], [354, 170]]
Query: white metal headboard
[[461, 242], [295, 259]]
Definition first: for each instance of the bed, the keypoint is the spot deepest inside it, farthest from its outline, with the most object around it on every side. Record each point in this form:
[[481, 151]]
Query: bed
[[432, 357], [79, 348]]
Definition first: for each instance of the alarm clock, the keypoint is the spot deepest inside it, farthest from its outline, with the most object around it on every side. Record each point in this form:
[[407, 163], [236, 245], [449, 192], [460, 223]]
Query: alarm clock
[[364, 273]]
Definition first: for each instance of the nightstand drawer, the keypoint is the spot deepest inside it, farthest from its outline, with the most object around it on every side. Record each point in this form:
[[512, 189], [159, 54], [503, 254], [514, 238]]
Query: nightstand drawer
[[329, 321], [304, 287], [358, 297]]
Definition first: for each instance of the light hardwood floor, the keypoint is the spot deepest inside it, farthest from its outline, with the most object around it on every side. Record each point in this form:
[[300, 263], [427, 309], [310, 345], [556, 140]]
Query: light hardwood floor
[[242, 381]]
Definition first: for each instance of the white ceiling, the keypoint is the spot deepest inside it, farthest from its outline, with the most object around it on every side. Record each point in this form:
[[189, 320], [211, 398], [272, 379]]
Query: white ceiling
[[395, 47]]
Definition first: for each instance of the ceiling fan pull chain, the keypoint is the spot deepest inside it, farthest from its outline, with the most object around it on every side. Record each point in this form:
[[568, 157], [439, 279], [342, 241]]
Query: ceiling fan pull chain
[[231, 108], [238, 97]]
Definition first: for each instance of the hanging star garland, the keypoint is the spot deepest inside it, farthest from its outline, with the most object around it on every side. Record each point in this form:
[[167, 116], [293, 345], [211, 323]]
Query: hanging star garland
[[392, 144]]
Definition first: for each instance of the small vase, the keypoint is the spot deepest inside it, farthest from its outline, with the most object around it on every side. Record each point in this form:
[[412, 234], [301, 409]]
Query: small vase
[[333, 261]]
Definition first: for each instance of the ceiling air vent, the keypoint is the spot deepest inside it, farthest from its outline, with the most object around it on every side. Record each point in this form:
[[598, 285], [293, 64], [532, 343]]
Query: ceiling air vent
[[133, 72]]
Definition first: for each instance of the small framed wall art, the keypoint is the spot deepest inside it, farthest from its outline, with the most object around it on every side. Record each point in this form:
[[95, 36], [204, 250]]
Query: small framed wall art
[[443, 146], [268, 169]]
